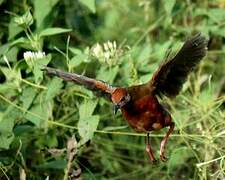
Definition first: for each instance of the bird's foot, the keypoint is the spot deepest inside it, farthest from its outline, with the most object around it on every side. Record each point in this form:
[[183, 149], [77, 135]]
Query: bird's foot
[[154, 162], [163, 158]]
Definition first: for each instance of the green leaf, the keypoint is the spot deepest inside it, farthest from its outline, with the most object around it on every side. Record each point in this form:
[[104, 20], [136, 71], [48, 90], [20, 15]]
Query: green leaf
[[168, 5], [6, 126], [178, 157], [75, 51], [90, 4], [56, 164], [77, 60], [87, 123], [41, 10], [6, 139], [39, 63], [4, 48], [53, 31], [27, 97], [87, 127], [10, 75], [87, 108], [144, 54], [53, 88], [19, 41], [13, 29], [25, 20], [107, 74], [40, 114]]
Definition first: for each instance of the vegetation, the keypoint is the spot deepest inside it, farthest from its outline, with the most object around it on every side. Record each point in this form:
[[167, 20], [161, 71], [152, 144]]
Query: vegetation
[[50, 129]]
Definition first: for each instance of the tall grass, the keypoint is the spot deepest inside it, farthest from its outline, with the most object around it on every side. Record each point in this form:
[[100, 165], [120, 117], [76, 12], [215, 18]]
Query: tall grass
[[122, 43]]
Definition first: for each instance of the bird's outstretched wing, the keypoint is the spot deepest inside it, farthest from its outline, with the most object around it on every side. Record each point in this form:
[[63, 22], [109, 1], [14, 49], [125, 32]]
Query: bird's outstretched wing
[[171, 75], [98, 87]]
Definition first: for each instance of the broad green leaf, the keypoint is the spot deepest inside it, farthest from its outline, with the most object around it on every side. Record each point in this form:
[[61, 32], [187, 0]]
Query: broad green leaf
[[19, 41], [145, 78], [217, 14], [6, 126], [25, 20], [53, 88], [39, 114], [12, 53], [41, 10], [178, 157], [77, 60], [87, 108], [28, 96], [13, 29], [90, 4], [107, 74], [75, 51], [4, 48], [168, 5], [81, 91], [11, 75], [7, 87], [6, 139], [217, 30], [74, 62], [87, 127], [19, 130], [39, 63], [53, 31], [87, 123], [144, 54]]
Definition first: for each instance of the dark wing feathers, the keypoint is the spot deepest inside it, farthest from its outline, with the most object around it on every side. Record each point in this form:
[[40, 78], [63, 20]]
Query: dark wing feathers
[[169, 78], [99, 87]]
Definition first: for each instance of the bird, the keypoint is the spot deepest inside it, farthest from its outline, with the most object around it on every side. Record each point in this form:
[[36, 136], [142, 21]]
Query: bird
[[140, 104]]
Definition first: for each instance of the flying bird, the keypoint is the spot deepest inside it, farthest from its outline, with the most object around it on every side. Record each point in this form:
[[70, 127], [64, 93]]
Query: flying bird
[[139, 104]]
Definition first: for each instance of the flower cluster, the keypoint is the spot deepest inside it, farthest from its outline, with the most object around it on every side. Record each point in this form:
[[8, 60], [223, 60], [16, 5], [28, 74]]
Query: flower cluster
[[107, 53], [28, 55], [31, 57]]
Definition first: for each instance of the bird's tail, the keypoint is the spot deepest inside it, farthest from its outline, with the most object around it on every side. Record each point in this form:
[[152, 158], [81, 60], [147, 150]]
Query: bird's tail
[[76, 78], [89, 83]]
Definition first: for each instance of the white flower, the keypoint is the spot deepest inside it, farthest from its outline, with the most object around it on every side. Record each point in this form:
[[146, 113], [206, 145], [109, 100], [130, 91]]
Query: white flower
[[28, 55], [114, 45], [107, 55], [40, 54], [106, 52], [97, 50]]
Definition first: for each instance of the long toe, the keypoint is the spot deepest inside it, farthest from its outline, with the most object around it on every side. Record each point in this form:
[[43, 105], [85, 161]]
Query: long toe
[[155, 162], [163, 158]]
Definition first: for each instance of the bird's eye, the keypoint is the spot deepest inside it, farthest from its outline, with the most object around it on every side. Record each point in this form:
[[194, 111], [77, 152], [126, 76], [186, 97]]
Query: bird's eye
[[123, 98]]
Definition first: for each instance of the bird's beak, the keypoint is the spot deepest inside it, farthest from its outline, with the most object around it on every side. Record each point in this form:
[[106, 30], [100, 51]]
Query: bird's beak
[[116, 108]]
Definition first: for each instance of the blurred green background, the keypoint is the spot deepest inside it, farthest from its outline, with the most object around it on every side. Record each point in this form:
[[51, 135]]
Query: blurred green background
[[121, 42]]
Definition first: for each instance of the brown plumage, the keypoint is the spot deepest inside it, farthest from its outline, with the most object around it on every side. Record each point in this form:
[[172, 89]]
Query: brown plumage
[[139, 104]]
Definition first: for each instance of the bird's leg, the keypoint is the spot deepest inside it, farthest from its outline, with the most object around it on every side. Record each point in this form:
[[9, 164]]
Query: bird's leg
[[164, 141], [148, 149]]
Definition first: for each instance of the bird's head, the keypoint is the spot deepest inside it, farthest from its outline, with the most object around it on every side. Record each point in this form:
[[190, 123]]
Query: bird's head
[[120, 97]]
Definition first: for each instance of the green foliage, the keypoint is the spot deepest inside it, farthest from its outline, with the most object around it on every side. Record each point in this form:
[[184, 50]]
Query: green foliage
[[90, 4], [120, 42], [53, 31]]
